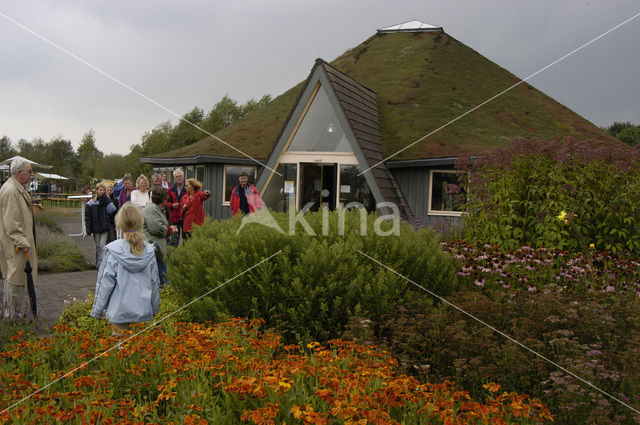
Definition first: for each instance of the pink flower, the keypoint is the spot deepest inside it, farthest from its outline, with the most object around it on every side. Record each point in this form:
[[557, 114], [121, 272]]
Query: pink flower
[[480, 283]]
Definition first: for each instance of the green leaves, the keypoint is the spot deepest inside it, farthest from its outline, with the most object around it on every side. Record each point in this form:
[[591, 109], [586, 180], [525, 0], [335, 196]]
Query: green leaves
[[313, 288], [525, 191]]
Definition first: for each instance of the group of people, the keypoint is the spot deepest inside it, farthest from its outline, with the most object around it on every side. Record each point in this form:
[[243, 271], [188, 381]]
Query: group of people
[[131, 269], [173, 209]]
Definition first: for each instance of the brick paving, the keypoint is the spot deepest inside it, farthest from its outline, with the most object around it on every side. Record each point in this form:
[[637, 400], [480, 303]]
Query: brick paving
[[54, 288]]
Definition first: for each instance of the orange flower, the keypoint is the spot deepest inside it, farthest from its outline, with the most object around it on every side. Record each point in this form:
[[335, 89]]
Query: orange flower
[[262, 416], [492, 387]]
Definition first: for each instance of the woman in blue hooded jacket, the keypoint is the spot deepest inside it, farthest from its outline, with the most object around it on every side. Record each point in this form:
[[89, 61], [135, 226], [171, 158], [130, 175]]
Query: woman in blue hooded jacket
[[127, 289]]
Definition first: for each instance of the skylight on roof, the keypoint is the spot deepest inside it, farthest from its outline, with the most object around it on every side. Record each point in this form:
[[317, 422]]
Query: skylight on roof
[[410, 26]]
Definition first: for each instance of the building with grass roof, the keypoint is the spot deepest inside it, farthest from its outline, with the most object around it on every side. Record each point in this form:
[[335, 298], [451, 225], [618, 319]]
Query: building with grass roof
[[381, 123]]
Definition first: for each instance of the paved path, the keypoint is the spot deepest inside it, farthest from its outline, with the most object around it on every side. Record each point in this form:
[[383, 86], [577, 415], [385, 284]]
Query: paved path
[[54, 288]]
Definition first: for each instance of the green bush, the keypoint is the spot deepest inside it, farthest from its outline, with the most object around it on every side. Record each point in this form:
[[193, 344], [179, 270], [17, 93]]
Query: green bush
[[49, 222], [600, 342], [558, 194], [58, 253], [312, 288]]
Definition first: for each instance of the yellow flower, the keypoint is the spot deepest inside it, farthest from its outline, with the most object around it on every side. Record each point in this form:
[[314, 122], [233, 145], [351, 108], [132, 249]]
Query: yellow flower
[[562, 216], [592, 245]]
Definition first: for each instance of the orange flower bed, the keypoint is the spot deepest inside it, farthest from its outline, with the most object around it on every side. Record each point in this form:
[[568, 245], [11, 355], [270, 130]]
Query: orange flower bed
[[229, 373]]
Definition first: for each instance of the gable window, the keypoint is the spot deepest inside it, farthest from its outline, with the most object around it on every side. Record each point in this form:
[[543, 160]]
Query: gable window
[[446, 196], [320, 130], [230, 180]]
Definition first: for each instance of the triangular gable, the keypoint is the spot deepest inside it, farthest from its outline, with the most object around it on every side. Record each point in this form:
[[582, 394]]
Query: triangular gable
[[355, 109]]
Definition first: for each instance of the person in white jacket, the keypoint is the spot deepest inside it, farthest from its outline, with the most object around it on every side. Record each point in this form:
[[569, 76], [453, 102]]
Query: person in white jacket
[[141, 196], [127, 289]]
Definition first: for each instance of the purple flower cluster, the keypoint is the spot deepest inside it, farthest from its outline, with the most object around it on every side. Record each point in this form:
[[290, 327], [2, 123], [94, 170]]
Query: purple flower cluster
[[550, 270]]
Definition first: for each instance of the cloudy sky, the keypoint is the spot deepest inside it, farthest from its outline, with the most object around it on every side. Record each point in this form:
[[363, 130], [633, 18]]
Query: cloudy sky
[[183, 54]]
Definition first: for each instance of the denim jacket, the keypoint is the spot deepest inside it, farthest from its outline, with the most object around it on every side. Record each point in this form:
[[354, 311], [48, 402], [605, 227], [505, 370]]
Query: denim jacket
[[127, 285]]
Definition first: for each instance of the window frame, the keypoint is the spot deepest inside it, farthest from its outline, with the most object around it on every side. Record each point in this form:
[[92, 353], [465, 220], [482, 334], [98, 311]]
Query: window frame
[[227, 202], [430, 210]]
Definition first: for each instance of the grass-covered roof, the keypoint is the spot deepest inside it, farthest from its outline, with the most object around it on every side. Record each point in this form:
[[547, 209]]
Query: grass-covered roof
[[422, 81]]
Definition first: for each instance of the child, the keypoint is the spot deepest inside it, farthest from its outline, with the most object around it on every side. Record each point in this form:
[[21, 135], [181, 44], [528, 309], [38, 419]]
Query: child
[[127, 285]]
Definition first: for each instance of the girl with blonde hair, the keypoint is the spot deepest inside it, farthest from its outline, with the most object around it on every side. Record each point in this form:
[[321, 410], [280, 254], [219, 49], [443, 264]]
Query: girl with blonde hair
[[128, 283], [96, 219]]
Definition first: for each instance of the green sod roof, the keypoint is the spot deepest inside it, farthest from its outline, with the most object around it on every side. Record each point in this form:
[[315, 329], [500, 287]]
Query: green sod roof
[[422, 81]]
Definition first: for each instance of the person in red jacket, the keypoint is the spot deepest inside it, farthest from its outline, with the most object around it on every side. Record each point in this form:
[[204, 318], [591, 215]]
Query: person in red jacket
[[245, 196], [191, 203]]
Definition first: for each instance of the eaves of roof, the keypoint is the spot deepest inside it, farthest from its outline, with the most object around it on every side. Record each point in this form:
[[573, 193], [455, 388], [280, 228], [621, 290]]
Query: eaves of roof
[[201, 159]]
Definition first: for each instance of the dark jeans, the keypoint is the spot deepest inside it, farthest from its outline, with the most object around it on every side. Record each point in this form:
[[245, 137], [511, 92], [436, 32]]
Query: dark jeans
[[174, 238], [162, 271], [111, 236]]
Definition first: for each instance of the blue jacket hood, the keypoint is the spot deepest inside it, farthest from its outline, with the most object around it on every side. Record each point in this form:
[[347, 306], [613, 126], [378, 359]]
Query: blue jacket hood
[[121, 252]]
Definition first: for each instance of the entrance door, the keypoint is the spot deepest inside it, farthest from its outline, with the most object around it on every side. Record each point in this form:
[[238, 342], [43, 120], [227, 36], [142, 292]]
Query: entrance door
[[318, 185]]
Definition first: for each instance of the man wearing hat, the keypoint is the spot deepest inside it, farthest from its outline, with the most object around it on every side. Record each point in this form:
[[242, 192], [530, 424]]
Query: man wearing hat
[[245, 196]]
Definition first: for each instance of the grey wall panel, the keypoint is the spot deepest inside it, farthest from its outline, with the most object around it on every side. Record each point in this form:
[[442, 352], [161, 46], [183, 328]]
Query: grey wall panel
[[414, 183], [213, 180]]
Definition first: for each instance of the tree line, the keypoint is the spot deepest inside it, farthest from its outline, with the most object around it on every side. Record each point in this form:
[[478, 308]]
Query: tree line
[[626, 132], [87, 163]]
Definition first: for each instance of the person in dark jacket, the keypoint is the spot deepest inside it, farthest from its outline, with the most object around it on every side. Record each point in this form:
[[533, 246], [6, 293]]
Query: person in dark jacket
[[96, 219], [244, 197], [112, 217]]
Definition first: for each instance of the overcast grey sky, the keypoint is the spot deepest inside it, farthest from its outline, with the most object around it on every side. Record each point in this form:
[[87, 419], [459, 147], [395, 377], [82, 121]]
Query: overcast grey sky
[[183, 54]]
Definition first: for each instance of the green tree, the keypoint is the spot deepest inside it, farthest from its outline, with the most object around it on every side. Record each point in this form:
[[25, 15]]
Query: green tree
[[6, 148], [626, 132], [253, 105], [89, 156], [60, 154], [185, 133], [112, 166], [225, 113], [34, 150]]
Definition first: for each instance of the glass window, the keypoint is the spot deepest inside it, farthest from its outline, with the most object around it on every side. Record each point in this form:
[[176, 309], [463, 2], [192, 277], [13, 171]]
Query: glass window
[[354, 188], [231, 174], [446, 193], [281, 189], [190, 172], [200, 173], [320, 130]]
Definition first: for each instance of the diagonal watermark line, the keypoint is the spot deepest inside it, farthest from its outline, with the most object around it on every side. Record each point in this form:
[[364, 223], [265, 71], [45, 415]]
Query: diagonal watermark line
[[499, 332], [137, 333], [128, 87], [504, 91]]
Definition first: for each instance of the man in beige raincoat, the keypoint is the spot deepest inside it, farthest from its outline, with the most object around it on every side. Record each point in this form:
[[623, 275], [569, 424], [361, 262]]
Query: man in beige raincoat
[[17, 230]]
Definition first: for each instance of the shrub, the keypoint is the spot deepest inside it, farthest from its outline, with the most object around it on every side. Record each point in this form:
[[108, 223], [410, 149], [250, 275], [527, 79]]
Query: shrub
[[310, 290], [58, 253], [49, 222], [558, 194]]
